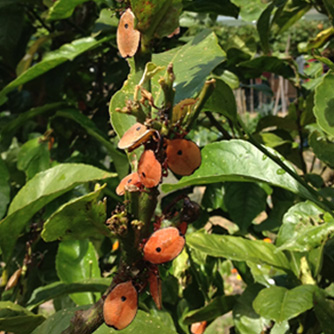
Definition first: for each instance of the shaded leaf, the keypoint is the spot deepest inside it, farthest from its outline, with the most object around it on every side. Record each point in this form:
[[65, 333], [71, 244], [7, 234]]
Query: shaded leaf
[[217, 307], [324, 310], [119, 159], [57, 289], [238, 160], [257, 66], [79, 218], [330, 9], [53, 59], [280, 304], [40, 190], [324, 104], [222, 101], [218, 7], [244, 201], [76, 261], [17, 319], [21, 119], [11, 20], [238, 249], [263, 27], [4, 188]]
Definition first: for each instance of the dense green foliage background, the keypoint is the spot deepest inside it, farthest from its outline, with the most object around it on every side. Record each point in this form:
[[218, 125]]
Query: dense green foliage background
[[264, 175]]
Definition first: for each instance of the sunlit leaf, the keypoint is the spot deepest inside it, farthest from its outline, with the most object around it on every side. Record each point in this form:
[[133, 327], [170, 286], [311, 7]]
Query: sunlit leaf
[[324, 104], [17, 319], [76, 261], [279, 304], [79, 218], [40, 190], [238, 249]]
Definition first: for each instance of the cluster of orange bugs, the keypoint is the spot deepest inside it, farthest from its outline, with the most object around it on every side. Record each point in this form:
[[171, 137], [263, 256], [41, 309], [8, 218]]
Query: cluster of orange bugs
[[182, 157]]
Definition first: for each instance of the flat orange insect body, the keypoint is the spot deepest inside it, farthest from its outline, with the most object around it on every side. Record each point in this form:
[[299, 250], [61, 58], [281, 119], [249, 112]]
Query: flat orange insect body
[[183, 156], [127, 36], [155, 289], [164, 245], [120, 306], [132, 179], [198, 327], [135, 136], [149, 169]]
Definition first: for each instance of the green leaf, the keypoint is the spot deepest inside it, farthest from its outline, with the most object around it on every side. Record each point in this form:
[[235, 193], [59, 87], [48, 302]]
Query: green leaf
[[58, 322], [218, 7], [57, 289], [156, 17], [217, 307], [255, 67], [250, 10], [121, 121], [53, 59], [63, 9], [21, 119], [244, 201], [280, 328], [222, 101], [324, 310], [119, 159], [263, 27], [76, 261], [245, 318], [143, 322], [280, 122], [303, 228], [238, 160], [79, 218], [280, 304], [238, 249], [4, 188], [17, 319], [190, 77], [40, 190], [292, 11], [324, 104], [34, 157], [330, 9], [11, 27], [322, 148]]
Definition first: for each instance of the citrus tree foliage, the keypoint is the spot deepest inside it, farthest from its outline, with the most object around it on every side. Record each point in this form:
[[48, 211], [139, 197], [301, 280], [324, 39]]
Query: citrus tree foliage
[[262, 243]]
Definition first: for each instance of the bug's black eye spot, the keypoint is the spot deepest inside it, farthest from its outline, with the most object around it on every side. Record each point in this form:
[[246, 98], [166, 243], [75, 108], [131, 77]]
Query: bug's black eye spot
[[158, 249], [179, 152], [144, 175], [126, 26], [123, 298], [139, 127], [129, 181]]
